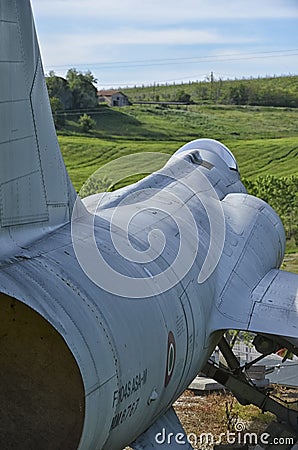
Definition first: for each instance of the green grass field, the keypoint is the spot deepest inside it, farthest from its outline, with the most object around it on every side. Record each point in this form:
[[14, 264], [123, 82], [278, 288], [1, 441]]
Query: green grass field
[[291, 262], [264, 140], [83, 156]]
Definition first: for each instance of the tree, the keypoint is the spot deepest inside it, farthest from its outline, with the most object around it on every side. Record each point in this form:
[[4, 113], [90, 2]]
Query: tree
[[239, 94], [86, 123], [58, 88], [89, 77], [83, 91], [57, 111]]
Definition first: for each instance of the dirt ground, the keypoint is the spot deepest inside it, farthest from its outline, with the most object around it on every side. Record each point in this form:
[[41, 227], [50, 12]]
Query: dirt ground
[[218, 413]]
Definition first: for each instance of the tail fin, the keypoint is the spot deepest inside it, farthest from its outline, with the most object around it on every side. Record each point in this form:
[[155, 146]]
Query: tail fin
[[34, 185]]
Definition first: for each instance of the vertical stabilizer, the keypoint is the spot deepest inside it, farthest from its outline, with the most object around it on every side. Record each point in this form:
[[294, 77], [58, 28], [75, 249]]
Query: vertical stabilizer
[[35, 189]]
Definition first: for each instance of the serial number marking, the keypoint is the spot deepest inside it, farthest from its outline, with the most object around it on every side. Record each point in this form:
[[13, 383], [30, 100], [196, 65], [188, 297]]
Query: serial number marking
[[123, 415], [129, 388]]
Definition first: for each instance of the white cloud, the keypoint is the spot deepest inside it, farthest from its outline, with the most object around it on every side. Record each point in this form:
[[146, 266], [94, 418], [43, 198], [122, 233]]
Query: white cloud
[[166, 11], [132, 36], [69, 49]]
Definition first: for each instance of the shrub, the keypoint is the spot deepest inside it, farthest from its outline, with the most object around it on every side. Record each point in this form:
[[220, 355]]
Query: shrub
[[86, 123]]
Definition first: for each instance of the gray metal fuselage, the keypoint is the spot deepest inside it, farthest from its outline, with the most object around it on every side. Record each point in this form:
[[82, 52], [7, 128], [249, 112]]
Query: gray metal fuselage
[[121, 344]]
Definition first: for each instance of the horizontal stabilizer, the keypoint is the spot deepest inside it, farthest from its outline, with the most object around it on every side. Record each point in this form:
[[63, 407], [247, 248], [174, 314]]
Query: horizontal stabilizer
[[273, 306], [166, 433]]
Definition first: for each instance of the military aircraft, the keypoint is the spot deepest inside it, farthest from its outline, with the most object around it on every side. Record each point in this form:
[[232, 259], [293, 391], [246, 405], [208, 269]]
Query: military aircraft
[[110, 306]]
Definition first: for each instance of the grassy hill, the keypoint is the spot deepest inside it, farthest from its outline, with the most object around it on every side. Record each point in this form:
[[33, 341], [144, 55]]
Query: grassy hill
[[264, 140], [84, 155], [184, 123]]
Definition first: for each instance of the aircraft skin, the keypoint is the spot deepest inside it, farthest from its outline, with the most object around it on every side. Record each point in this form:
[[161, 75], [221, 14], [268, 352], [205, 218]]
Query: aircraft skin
[[98, 343]]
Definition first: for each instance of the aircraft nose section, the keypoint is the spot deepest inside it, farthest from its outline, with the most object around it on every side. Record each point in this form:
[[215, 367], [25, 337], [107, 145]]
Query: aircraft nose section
[[41, 389]]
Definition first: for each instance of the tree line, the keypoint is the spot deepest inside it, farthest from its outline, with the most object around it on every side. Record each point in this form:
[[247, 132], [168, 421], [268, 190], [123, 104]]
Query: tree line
[[275, 91]]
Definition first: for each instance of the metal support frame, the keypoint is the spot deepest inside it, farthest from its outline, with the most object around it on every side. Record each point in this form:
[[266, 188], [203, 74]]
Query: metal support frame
[[236, 380]]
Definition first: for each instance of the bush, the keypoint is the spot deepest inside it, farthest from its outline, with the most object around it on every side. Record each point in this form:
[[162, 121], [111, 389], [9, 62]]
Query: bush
[[86, 123]]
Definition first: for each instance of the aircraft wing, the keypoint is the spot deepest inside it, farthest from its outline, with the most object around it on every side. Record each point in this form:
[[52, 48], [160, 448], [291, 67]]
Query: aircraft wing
[[273, 308], [167, 432]]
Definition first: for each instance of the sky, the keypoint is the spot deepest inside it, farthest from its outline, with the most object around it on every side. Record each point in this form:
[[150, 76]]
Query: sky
[[134, 42]]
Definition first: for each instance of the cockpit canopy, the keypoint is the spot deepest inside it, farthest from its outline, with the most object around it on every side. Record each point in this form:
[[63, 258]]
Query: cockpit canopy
[[213, 146]]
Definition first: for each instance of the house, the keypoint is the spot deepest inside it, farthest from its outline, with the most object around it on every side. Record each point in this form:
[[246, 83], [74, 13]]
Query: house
[[113, 98]]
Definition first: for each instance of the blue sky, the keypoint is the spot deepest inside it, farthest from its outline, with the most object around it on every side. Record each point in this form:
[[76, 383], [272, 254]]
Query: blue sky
[[128, 42]]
